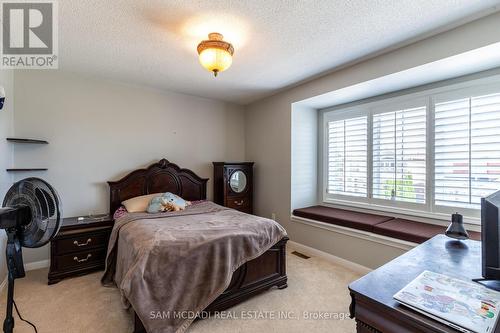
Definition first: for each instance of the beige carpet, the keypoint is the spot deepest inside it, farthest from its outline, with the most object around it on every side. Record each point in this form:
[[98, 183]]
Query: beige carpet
[[315, 288]]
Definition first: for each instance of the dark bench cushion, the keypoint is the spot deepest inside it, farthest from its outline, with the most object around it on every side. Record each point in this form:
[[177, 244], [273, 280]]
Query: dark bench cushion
[[412, 231], [345, 218]]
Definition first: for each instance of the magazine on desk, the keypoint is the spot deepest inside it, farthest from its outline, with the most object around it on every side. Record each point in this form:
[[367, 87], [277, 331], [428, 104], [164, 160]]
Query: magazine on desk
[[462, 305]]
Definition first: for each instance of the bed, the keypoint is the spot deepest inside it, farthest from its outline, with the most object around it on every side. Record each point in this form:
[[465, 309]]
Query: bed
[[255, 276]]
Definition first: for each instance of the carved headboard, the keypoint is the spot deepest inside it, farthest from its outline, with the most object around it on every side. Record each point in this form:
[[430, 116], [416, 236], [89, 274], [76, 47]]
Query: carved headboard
[[158, 177]]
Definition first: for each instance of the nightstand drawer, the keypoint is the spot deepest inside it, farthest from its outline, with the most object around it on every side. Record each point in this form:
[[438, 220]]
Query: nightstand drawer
[[81, 259], [81, 242], [238, 202]]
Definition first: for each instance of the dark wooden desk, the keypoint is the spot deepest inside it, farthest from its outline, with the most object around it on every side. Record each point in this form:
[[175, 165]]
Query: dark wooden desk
[[372, 304]]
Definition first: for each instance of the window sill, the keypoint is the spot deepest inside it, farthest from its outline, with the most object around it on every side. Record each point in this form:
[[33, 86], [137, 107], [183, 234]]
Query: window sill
[[365, 235], [472, 223], [385, 227]]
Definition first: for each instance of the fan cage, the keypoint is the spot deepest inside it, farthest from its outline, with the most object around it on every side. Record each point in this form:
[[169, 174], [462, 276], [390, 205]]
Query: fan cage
[[45, 206]]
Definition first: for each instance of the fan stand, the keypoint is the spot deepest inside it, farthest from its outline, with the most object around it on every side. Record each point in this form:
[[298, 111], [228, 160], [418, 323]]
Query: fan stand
[[16, 270]]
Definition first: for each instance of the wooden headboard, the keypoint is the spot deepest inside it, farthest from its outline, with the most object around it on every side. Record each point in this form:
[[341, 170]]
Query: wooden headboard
[[158, 177]]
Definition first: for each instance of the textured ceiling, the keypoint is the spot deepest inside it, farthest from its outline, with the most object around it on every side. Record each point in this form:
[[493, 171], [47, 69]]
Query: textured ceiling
[[277, 43]]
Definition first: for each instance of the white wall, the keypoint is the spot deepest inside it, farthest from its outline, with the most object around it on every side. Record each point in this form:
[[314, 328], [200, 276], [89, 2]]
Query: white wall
[[6, 130], [269, 122], [100, 131], [304, 156]]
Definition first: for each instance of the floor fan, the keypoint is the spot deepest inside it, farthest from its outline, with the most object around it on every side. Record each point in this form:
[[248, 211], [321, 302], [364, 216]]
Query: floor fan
[[31, 217]]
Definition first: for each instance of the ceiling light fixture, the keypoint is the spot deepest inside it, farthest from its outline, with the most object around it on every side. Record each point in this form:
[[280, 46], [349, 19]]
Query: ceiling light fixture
[[215, 54]]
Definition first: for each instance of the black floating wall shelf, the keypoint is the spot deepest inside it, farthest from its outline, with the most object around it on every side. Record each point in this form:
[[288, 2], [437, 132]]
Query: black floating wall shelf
[[30, 141], [19, 140], [26, 169]]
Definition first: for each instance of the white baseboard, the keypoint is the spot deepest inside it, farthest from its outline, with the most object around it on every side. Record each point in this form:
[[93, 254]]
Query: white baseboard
[[329, 257], [3, 284], [36, 265]]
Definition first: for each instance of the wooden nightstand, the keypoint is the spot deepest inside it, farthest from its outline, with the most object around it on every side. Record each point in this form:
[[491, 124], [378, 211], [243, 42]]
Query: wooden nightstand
[[79, 247]]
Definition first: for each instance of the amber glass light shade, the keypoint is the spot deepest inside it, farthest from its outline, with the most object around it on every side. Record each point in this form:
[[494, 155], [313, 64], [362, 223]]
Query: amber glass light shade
[[215, 54]]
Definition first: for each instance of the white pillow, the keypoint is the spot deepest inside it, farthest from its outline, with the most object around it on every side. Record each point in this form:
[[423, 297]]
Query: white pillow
[[139, 204]]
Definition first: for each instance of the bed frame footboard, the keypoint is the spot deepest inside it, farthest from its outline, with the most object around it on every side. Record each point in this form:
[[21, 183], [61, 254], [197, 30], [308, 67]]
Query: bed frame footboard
[[252, 278]]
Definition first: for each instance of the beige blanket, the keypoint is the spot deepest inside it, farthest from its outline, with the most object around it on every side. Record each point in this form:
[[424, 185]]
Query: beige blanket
[[168, 263]]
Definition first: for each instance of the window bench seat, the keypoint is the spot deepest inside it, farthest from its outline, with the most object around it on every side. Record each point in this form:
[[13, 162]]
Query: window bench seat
[[411, 231]]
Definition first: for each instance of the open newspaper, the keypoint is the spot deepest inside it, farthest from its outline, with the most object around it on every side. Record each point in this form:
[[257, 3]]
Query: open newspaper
[[465, 306]]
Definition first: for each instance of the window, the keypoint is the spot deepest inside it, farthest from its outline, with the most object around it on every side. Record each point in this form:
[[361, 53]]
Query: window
[[467, 150], [347, 167], [427, 154], [399, 155]]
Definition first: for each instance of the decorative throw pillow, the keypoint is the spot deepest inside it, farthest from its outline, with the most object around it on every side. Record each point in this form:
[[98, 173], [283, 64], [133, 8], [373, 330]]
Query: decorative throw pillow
[[139, 204], [168, 202], [120, 212]]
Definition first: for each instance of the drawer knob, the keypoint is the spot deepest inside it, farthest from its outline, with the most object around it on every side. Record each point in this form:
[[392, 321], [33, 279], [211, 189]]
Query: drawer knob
[[84, 259], [239, 203], [83, 244]]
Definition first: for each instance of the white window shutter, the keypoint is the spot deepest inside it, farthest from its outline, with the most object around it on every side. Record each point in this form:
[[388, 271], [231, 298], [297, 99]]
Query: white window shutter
[[467, 154], [399, 155], [347, 157]]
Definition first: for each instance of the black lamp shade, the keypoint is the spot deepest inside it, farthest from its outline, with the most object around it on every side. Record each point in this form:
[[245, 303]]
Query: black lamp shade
[[456, 228]]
